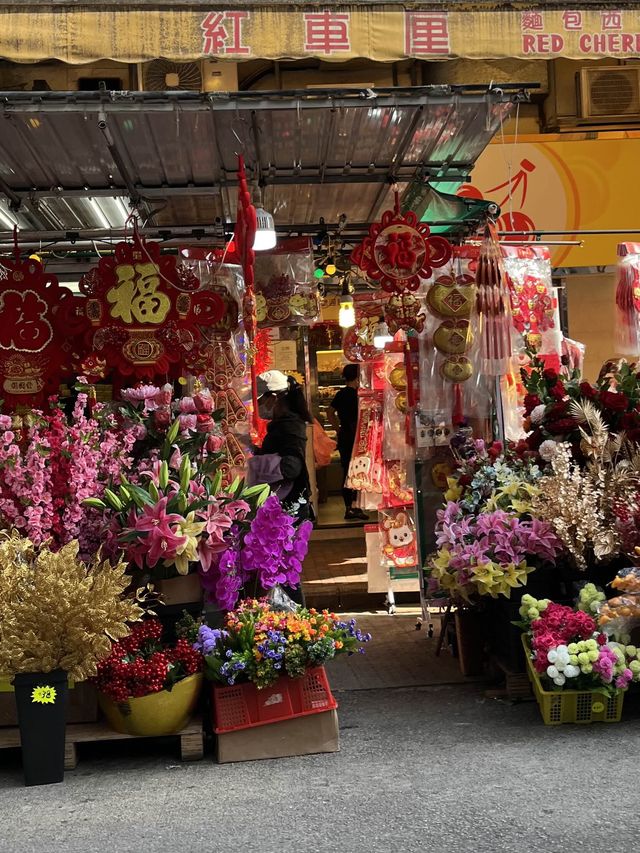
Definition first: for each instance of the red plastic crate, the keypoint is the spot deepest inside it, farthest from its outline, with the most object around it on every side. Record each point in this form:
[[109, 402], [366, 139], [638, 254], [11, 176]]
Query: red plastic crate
[[244, 706]]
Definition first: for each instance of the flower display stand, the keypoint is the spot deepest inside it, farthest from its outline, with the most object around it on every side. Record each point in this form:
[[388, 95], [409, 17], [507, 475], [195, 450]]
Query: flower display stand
[[191, 739], [572, 706]]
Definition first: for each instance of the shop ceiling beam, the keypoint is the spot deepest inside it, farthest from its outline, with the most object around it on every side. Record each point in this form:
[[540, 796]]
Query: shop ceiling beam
[[461, 173], [134, 195], [322, 99]]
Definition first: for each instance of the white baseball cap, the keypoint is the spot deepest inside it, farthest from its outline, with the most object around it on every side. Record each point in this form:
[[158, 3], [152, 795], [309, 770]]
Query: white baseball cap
[[273, 381]]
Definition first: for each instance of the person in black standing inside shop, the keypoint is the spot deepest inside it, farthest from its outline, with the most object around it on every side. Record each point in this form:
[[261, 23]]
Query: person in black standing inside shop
[[343, 417]]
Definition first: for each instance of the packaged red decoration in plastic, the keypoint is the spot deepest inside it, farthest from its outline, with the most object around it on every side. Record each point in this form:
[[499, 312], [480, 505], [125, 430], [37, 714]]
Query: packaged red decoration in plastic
[[398, 531], [358, 340], [534, 305], [286, 290], [396, 407], [628, 299], [397, 483], [365, 468]]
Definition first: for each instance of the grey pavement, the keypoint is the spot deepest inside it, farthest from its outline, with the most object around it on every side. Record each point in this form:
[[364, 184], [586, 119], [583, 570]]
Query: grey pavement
[[421, 769]]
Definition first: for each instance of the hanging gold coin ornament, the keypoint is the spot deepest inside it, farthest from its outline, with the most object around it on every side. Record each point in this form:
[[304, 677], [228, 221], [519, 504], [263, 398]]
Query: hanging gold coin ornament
[[451, 297]]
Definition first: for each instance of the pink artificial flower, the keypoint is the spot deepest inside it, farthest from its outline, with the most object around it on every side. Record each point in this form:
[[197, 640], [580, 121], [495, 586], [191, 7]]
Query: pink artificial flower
[[140, 393], [5, 422], [162, 416], [175, 460], [164, 396], [139, 432], [203, 401], [187, 406], [163, 542], [188, 422], [215, 442]]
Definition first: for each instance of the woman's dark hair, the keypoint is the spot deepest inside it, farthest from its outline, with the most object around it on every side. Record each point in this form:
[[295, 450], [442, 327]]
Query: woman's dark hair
[[350, 372], [293, 400]]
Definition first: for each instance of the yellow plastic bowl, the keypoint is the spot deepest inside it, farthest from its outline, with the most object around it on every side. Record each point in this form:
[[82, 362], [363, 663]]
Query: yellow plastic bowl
[[157, 714]]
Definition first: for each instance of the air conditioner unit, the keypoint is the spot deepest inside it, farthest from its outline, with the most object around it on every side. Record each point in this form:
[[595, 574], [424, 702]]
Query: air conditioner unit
[[205, 75], [607, 94]]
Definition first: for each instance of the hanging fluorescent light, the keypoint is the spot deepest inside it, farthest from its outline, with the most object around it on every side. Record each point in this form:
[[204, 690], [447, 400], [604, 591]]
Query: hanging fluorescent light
[[7, 218], [381, 335], [346, 314], [265, 231], [102, 219]]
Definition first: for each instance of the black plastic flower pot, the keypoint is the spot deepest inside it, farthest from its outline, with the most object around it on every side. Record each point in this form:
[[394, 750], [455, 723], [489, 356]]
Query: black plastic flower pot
[[41, 698]]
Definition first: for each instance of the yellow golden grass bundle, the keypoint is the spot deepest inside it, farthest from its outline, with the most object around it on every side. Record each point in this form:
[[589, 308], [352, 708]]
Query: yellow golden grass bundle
[[57, 612]]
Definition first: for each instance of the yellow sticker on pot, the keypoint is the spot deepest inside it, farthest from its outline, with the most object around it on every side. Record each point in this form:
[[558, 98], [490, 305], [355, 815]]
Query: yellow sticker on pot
[[44, 695]]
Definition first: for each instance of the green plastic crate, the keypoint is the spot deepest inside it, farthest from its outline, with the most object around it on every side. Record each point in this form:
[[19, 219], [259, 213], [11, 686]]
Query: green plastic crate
[[572, 706]]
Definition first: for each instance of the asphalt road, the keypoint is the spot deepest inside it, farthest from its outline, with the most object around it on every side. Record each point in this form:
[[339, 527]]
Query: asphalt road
[[432, 769]]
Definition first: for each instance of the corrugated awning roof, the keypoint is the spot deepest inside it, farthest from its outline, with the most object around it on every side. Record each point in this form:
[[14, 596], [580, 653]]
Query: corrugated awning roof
[[69, 161]]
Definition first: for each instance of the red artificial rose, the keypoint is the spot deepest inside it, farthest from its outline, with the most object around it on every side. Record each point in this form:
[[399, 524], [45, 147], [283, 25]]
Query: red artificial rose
[[561, 426], [557, 409], [162, 416], [614, 401], [214, 442], [530, 402], [464, 480], [203, 401], [550, 374], [629, 421], [205, 423], [587, 390], [558, 391], [535, 439]]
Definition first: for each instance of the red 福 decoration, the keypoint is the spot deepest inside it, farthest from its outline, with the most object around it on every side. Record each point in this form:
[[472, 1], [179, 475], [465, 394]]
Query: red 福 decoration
[[400, 251], [37, 319], [244, 236], [144, 312]]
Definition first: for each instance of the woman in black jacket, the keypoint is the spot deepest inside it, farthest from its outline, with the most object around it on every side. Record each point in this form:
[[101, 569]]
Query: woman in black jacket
[[281, 401]]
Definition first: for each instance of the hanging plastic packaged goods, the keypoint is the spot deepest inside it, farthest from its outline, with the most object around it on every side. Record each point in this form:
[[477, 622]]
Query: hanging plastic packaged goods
[[452, 387], [357, 343], [493, 307], [534, 305], [398, 534], [365, 468], [628, 299], [286, 290]]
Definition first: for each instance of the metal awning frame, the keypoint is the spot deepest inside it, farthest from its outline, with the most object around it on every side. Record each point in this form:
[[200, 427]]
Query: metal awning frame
[[102, 106]]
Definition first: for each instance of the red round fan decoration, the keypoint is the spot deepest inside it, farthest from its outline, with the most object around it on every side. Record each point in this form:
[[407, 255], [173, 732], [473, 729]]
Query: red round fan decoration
[[37, 326], [400, 251], [144, 311]]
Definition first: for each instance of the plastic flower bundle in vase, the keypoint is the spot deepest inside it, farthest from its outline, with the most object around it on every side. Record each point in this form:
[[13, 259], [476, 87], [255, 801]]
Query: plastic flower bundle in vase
[[267, 663], [177, 520], [265, 549], [148, 688], [578, 673], [58, 617], [490, 544]]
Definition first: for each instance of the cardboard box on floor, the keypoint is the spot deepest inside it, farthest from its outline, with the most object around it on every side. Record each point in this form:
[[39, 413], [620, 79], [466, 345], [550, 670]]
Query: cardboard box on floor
[[298, 736]]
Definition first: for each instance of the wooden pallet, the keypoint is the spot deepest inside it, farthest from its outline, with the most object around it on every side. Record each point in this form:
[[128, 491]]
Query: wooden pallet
[[191, 739], [517, 687]]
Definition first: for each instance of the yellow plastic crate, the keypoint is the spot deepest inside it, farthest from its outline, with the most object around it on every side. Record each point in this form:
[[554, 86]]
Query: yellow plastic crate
[[572, 706]]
